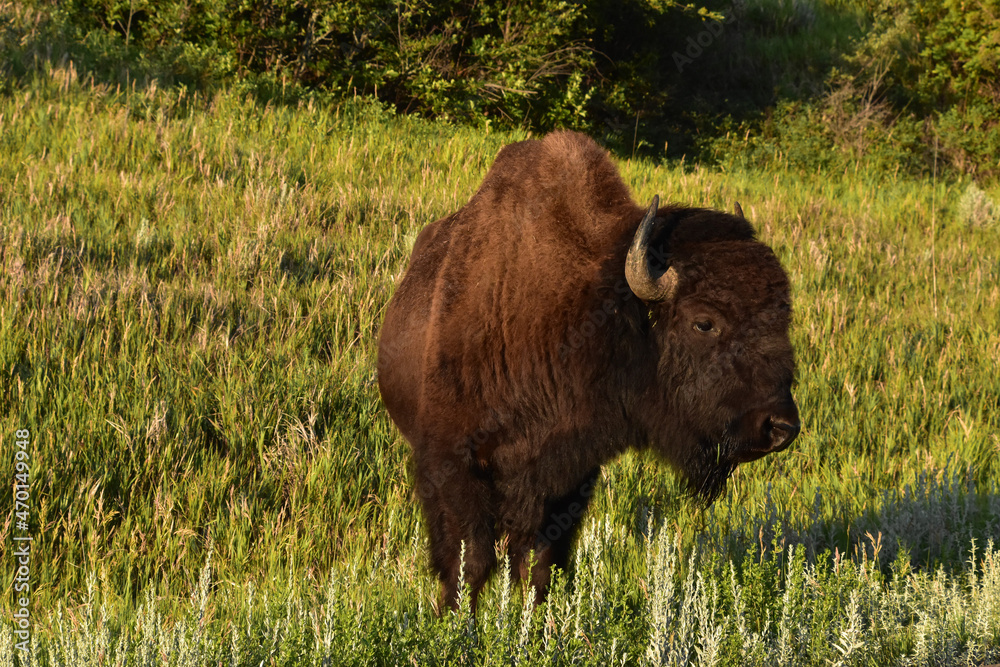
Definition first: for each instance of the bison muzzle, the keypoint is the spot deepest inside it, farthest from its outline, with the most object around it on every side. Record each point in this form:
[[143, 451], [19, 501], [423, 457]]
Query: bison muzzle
[[550, 324]]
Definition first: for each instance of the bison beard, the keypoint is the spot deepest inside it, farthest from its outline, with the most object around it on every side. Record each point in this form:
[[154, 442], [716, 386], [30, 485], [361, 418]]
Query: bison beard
[[706, 478], [550, 324]]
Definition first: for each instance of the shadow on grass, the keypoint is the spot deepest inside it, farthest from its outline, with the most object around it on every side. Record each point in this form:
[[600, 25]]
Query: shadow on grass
[[933, 520]]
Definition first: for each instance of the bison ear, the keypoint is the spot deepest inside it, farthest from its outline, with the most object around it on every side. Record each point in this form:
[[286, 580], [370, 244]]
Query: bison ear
[[637, 272], [739, 211]]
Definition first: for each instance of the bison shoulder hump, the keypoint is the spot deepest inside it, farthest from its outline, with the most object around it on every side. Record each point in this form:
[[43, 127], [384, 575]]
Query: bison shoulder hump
[[564, 178]]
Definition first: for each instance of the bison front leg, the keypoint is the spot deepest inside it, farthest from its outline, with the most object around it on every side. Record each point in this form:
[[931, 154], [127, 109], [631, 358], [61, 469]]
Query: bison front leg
[[549, 538], [457, 511]]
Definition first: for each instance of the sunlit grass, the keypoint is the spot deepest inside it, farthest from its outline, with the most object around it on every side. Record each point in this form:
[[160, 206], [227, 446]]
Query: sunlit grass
[[190, 295]]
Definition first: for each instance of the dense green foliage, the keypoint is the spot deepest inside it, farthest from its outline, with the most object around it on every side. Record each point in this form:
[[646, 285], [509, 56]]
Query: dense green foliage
[[817, 85], [455, 59], [918, 92]]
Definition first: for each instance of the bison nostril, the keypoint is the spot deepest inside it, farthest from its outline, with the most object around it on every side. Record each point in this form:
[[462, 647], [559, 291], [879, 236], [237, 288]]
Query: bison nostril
[[782, 432]]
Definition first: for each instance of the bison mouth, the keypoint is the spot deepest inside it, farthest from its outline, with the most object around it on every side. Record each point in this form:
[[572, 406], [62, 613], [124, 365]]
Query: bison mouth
[[755, 435], [708, 486], [709, 470]]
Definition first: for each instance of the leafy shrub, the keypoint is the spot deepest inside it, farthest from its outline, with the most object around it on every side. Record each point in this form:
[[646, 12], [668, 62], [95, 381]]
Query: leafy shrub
[[471, 61], [874, 85], [943, 61], [460, 59], [937, 60], [552, 63]]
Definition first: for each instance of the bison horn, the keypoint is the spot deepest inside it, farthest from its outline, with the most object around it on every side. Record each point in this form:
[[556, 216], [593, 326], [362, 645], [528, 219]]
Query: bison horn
[[739, 211], [637, 273]]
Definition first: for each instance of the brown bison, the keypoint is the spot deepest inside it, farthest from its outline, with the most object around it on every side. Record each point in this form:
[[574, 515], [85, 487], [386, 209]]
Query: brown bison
[[550, 324]]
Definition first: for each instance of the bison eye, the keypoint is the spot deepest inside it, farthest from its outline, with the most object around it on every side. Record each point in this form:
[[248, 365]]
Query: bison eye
[[704, 326]]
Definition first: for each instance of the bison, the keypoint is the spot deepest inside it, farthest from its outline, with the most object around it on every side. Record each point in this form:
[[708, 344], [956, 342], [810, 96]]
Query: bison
[[550, 324]]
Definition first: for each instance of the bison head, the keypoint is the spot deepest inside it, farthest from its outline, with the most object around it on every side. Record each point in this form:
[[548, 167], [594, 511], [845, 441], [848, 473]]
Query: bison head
[[720, 308]]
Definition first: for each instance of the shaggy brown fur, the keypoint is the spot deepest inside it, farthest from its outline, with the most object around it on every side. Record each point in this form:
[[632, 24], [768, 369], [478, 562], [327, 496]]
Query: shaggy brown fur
[[516, 360]]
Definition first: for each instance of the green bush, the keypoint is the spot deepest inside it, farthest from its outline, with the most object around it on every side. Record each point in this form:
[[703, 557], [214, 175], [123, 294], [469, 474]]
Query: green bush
[[939, 59], [553, 63], [849, 85], [476, 62], [919, 90]]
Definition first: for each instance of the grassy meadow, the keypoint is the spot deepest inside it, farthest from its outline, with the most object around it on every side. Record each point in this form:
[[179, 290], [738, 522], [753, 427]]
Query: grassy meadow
[[190, 297]]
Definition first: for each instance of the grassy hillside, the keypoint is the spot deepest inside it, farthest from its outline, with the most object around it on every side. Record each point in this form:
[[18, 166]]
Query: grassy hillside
[[190, 296]]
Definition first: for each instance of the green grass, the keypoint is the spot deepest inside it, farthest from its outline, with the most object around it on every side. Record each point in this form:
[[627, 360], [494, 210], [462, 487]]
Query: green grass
[[190, 296]]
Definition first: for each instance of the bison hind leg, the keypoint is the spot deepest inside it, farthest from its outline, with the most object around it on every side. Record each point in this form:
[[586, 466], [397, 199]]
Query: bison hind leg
[[549, 540], [459, 515]]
